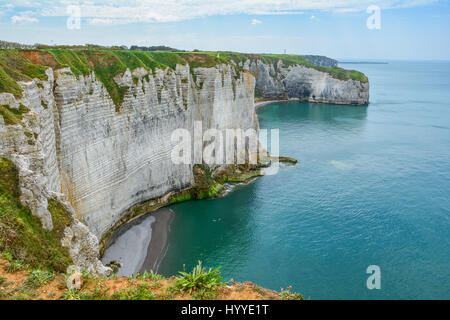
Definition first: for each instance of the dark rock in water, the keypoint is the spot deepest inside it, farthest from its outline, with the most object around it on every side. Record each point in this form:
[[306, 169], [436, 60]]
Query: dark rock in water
[[287, 160]]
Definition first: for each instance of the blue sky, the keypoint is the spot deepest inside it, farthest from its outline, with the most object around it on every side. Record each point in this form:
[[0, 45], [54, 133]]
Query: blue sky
[[417, 29]]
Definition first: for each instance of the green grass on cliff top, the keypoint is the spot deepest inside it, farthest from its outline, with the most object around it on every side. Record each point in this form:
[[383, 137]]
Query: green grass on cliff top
[[335, 72], [25, 65], [22, 237], [290, 60], [16, 67]]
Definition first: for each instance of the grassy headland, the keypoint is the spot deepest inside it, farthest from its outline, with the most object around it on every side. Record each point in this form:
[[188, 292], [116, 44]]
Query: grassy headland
[[27, 64]]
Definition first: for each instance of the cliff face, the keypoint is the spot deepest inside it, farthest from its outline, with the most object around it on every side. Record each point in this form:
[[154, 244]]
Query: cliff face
[[321, 61], [280, 81], [29, 140], [73, 145], [111, 161], [96, 136]]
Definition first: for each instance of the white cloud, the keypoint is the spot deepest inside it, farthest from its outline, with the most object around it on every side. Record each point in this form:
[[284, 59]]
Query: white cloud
[[130, 11], [313, 17], [23, 19], [100, 22], [256, 21]]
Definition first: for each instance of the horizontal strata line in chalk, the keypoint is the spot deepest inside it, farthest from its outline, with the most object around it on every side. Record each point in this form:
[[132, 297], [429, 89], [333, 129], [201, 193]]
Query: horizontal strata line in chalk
[[164, 155]]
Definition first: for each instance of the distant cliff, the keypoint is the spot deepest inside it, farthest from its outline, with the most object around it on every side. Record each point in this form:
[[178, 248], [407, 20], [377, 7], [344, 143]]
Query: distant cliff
[[321, 61], [306, 78]]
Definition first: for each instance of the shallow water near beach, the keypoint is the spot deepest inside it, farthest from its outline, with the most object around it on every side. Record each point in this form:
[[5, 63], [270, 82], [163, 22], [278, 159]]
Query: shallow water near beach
[[372, 187]]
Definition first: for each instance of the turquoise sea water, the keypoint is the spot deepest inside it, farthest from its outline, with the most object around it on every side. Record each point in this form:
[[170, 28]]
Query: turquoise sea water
[[372, 188]]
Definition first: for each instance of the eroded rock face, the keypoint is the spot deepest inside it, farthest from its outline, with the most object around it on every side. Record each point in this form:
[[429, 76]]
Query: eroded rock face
[[31, 145], [111, 161], [276, 81], [99, 161]]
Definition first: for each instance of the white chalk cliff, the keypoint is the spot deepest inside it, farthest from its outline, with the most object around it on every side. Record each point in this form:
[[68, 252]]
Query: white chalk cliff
[[278, 81], [104, 161], [99, 162]]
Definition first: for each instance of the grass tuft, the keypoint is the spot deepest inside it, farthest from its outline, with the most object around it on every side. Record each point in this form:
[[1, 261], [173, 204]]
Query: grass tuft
[[286, 294], [15, 265], [199, 279], [149, 276], [38, 278]]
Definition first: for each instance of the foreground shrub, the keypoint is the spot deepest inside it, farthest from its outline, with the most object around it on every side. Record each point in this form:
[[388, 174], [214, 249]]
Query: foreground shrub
[[38, 278], [199, 279]]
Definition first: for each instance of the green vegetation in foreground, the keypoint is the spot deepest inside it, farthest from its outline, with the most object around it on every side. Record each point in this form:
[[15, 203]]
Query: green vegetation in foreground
[[38, 278], [200, 281], [287, 294], [200, 284], [149, 276], [23, 241]]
